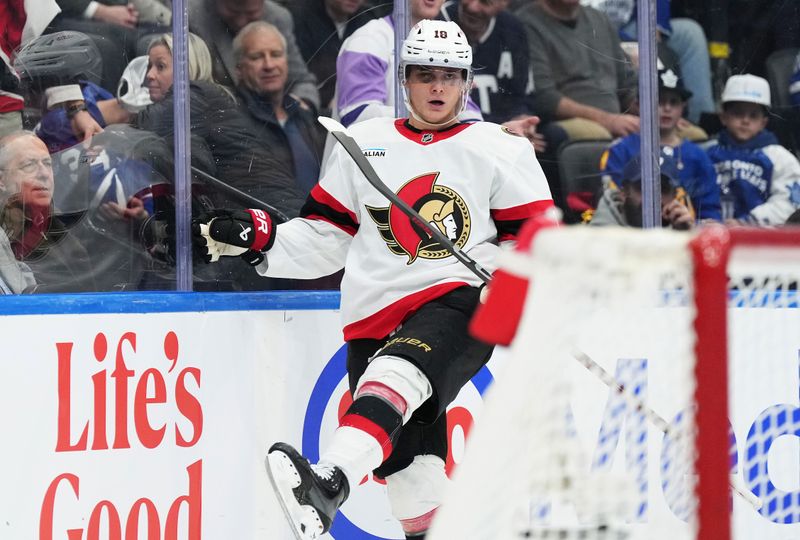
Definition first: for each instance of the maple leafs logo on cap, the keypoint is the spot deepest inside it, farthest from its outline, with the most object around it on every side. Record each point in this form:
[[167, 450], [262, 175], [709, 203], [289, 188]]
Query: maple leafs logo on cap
[[669, 79]]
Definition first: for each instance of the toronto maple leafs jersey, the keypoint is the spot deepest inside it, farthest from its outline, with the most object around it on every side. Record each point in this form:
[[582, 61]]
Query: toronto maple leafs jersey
[[696, 172], [476, 182], [759, 179]]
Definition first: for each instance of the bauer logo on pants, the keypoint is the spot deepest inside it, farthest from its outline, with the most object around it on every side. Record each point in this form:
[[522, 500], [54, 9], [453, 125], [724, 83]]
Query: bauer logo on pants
[[366, 514]]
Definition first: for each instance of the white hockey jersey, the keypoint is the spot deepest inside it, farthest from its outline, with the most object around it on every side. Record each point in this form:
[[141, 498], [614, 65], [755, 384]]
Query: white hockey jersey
[[476, 182]]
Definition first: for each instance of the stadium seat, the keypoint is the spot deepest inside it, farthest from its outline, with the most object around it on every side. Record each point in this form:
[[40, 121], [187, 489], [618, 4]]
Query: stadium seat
[[784, 117], [780, 66], [581, 176]]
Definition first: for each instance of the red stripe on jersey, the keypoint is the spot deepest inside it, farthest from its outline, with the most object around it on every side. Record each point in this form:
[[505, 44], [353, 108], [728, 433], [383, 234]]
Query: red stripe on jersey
[[349, 230], [323, 198], [12, 17], [523, 211], [10, 104], [379, 324], [428, 136], [370, 428]]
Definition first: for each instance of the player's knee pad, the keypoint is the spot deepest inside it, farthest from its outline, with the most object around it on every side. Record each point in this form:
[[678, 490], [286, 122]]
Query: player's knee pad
[[397, 381], [416, 492]]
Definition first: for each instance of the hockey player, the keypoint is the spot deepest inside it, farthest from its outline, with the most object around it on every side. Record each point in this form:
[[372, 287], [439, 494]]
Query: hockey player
[[406, 301]]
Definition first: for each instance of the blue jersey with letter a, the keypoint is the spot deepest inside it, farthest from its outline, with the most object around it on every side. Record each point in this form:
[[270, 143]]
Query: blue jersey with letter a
[[503, 86]]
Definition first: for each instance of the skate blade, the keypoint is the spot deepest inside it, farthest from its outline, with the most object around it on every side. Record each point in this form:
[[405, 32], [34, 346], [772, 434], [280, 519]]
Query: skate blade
[[304, 520]]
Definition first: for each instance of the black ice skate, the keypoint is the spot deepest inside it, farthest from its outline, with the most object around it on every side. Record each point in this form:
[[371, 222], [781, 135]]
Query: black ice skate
[[309, 496]]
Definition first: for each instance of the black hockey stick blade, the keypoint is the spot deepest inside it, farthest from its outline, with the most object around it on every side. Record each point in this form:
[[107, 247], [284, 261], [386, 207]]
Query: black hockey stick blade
[[340, 133], [245, 198]]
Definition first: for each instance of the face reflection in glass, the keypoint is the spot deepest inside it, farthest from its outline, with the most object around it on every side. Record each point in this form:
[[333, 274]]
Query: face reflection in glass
[[28, 171]]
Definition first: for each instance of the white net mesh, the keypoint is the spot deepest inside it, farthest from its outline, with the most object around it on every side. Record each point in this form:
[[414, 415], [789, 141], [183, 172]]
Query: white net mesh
[[595, 402], [764, 358]]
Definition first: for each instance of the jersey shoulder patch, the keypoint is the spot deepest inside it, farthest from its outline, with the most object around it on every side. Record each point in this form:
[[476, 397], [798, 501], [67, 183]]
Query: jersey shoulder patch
[[504, 129]]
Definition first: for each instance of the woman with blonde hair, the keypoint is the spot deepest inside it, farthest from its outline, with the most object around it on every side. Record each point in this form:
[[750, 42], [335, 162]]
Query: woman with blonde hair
[[223, 144]]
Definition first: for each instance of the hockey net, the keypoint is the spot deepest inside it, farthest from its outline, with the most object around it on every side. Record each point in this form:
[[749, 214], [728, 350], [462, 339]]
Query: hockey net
[[609, 418]]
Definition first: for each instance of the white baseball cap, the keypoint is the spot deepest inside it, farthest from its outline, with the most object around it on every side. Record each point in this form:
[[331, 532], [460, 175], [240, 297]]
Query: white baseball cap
[[747, 88]]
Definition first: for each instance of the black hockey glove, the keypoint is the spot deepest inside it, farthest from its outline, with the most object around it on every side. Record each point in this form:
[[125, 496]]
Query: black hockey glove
[[228, 233]]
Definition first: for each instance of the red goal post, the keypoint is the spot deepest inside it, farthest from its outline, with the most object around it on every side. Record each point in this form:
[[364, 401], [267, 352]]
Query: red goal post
[[712, 250]]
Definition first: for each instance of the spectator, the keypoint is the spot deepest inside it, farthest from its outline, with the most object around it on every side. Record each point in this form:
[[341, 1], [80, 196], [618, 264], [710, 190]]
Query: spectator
[[83, 218], [794, 83], [713, 16], [695, 172], [503, 86], [16, 277], [759, 179], [16, 22], [116, 27], [218, 21], [321, 26], [219, 130], [39, 235], [623, 205], [743, 33], [283, 123], [223, 144], [584, 81], [683, 36]]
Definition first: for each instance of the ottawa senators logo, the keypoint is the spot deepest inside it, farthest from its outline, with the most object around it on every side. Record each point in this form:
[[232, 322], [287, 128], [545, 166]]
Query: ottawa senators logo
[[438, 205]]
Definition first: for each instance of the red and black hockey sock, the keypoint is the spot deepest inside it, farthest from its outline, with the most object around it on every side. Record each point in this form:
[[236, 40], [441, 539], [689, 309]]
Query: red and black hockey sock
[[376, 417]]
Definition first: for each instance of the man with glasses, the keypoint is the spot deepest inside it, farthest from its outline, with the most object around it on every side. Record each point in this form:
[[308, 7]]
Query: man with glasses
[[15, 276], [39, 237]]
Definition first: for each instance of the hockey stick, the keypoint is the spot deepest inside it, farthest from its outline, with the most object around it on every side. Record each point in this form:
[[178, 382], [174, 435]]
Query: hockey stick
[[640, 406], [239, 194], [350, 146]]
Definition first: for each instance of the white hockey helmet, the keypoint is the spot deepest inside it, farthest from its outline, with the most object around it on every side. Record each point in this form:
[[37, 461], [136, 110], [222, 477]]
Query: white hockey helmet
[[440, 44], [133, 95]]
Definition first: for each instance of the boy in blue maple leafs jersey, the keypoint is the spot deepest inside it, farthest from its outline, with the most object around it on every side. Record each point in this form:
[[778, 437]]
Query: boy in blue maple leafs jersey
[[759, 179]]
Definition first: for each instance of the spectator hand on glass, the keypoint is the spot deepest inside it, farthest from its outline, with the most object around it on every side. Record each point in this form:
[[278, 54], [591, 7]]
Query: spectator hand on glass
[[126, 16], [526, 126]]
